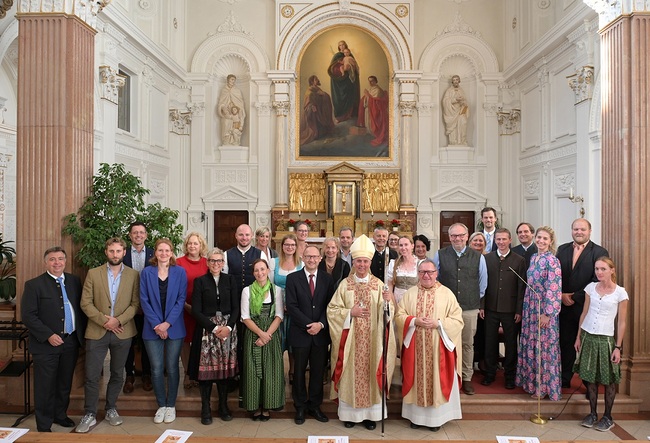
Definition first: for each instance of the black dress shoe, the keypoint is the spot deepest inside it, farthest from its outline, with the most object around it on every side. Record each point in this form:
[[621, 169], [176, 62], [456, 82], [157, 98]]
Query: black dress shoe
[[487, 381], [370, 425], [349, 424], [300, 417], [414, 426], [510, 384], [65, 422], [318, 415], [44, 430], [435, 428]]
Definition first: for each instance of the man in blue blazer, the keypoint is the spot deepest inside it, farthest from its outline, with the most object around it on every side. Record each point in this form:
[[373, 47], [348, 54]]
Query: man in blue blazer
[[54, 341], [308, 292], [137, 257]]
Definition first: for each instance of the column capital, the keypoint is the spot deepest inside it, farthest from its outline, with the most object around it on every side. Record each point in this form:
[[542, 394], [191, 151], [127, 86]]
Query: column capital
[[196, 108], [180, 121], [406, 108], [281, 108], [86, 11], [111, 81], [509, 121], [582, 83], [608, 10]]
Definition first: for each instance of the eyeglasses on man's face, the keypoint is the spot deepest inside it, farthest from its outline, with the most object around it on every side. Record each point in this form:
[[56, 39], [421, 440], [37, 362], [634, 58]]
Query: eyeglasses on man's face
[[429, 273], [457, 235]]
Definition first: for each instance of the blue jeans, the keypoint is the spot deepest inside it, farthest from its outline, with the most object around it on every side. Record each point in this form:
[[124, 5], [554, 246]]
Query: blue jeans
[[164, 354]]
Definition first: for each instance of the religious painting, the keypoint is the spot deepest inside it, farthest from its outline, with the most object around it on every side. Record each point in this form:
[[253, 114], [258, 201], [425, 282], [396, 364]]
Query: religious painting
[[344, 96]]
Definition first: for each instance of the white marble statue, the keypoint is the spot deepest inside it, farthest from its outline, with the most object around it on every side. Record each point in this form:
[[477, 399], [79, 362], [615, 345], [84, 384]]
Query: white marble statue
[[232, 112], [455, 112]]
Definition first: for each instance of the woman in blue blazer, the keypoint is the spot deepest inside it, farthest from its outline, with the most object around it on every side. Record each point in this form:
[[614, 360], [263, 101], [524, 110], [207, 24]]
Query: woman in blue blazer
[[163, 288]]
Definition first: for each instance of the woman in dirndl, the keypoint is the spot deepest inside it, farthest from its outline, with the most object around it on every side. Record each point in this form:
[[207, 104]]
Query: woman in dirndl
[[213, 356], [599, 349]]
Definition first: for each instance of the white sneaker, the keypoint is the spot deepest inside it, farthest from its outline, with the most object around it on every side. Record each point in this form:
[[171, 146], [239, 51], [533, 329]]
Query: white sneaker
[[86, 422], [170, 415], [160, 415], [113, 417]]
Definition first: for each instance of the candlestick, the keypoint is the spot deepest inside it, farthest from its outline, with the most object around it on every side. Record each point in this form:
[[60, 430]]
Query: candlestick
[[372, 213], [316, 213], [386, 213], [283, 213]]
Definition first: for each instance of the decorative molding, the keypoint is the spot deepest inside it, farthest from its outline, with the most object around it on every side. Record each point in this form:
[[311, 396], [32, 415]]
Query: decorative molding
[[547, 156], [564, 183], [85, 10], [263, 108], [230, 2], [457, 177], [509, 121], [425, 221], [543, 4], [5, 159], [196, 108], [458, 26], [231, 24], [406, 108], [607, 10], [157, 186], [239, 176], [180, 121], [582, 83], [426, 109], [531, 187], [281, 108], [5, 6], [491, 108], [111, 81], [344, 6]]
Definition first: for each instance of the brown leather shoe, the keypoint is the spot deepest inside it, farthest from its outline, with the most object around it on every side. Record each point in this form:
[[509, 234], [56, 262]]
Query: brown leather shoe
[[468, 388], [146, 383], [128, 384]]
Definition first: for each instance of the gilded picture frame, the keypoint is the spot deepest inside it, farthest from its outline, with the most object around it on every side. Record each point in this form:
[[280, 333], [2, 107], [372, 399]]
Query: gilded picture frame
[[344, 97]]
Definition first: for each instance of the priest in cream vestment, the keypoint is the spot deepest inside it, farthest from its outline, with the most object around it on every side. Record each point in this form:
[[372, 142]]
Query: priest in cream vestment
[[429, 323], [355, 315]]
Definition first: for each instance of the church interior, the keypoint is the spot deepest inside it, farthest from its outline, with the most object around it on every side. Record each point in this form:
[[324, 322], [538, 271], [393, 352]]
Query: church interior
[[411, 114]]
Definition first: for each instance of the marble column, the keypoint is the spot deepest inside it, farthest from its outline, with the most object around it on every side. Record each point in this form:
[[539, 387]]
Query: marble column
[[55, 132], [626, 181]]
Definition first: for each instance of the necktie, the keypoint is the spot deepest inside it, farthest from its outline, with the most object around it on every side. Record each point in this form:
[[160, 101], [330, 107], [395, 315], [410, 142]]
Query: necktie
[[311, 284], [488, 244], [67, 310]]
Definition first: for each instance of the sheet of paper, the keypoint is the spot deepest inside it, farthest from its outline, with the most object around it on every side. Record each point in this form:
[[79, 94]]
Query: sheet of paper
[[327, 439], [8, 435], [512, 439], [174, 436]]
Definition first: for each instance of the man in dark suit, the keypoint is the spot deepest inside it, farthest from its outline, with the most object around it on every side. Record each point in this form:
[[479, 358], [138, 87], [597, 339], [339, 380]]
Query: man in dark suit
[[137, 257], [50, 308], [577, 260], [489, 219], [308, 292], [526, 247], [502, 305], [383, 255]]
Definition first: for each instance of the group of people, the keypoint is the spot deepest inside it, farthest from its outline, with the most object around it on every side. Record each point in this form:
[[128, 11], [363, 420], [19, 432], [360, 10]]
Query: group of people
[[353, 306]]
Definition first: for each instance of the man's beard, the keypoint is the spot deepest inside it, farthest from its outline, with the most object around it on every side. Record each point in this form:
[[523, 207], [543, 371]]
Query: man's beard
[[115, 261]]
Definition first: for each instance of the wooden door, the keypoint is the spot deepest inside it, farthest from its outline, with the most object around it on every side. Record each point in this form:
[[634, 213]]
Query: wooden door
[[448, 218], [225, 226]]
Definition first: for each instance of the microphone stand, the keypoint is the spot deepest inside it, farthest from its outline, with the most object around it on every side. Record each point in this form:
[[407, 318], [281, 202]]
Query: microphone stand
[[384, 354], [538, 419]]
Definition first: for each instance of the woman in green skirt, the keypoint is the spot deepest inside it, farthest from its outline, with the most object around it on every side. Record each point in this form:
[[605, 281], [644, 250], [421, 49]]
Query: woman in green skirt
[[262, 311], [599, 349]]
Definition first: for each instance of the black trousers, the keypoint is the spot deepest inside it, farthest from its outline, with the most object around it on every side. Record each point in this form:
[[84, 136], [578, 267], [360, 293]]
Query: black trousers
[[569, 325], [53, 382], [129, 366], [492, 322], [307, 397]]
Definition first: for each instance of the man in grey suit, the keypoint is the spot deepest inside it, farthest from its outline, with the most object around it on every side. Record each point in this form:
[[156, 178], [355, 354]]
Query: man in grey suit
[[50, 309], [110, 299]]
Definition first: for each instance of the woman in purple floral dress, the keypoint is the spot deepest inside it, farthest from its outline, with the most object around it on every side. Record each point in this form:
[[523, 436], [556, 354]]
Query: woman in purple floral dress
[[545, 277]]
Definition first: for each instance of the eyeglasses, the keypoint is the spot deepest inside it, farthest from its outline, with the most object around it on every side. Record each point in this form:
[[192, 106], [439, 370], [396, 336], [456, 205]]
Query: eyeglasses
[[212, 261], [311, 257], [303, 230], [457, 235], [289, 245], [427, 272]]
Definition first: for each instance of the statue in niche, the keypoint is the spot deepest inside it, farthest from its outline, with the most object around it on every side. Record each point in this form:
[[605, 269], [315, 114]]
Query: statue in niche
[[455, 112], [232, 112]]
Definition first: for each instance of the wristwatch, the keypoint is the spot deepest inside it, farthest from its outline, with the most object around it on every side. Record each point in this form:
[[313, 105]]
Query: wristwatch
[[620, 348]]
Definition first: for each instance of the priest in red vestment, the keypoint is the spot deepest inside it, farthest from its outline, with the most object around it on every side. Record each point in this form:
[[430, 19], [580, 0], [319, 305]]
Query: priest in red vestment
[[373, 112]]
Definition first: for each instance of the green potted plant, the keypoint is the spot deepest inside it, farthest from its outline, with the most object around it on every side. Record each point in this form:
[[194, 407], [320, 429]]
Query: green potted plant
[[116, 199], [7, 270]]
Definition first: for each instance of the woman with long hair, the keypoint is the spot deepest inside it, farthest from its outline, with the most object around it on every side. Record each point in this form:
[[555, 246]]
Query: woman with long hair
[[262, 311], [263, 241], [195, 264], [403, 272], [332, 263], [163, 288], [538, 366], [599, 349], [213, 357]]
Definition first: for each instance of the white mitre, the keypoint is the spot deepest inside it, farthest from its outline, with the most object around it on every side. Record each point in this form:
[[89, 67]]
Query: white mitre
[[362, 247]]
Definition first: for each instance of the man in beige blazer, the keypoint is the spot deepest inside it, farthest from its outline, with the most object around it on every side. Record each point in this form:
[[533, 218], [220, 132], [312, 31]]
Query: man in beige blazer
[[110, 299]]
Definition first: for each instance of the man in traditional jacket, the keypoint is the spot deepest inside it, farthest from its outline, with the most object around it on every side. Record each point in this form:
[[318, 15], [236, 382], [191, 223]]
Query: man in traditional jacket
[[356, 320], [430, 322]]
